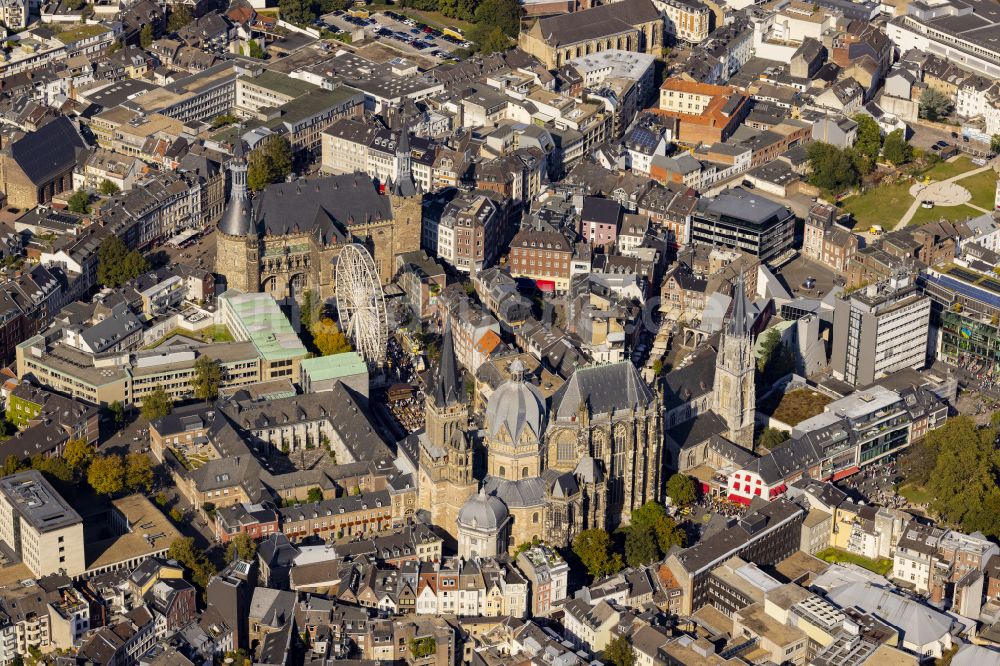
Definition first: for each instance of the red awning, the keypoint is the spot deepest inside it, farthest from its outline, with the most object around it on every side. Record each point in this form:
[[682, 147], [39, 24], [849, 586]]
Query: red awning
[[844, 473], [777, 490], [547, 286], [705, 488], [739, 499]]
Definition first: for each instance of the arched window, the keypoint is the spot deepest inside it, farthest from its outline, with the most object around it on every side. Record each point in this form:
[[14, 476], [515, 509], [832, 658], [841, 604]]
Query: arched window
[[503, 471], [599, 444], [524, 473], [534, 517], [566, 450]]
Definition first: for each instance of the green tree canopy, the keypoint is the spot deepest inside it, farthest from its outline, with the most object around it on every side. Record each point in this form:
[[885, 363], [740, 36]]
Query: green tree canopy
[[832, 169], [593, 547], [138, 472], [78, 453], [868, 142], [207, 377], [619, 652], [963, 482], [503, 14], [270, 162], [79, 202], [106, 474], [107, 188], [770, 438], [52, 467], [194, 559], [146, 36], [652, 519], [934, 105], [488, 39], [180, 16], [116, 265], [157, 404], [315, 495], [241, 547], [896, 149], [11, 465], [681, 489], [117, 412]]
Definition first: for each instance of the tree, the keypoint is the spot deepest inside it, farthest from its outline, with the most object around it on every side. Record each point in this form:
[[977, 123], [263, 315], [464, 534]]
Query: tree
[[157, 404], [52, 467], [146, 36], [681, 489], [79, 202], [116, 265], [256, 51], [832, 169], [421, 648], [964, 480], [207, 376], [138, 472], [115, 47], [270, 162], [640, 546], [11, 465], [653, 516], [180, 16], [868, 142], [117, 413], [184, 551], [593, 547], [312, 309], [488, 39], [619, 652], [776, 359], [106, 475], [934, 105], [770, 438], [995, 143], [78, 453], [503, 14], [315, 495], [328, 338], [241, 547], [896, 149], [107, 188]]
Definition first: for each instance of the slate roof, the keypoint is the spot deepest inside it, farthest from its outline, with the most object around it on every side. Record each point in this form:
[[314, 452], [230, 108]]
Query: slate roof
[[324, 206], [604, 389], [51, 150], [597, 22]]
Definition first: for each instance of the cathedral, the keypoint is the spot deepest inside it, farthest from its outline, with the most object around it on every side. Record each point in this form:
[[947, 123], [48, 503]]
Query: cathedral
[[710, 421], [286, 239], [584, 459]]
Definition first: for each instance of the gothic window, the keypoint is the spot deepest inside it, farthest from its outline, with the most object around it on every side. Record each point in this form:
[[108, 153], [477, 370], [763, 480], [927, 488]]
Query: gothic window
[[566, 449], [599, 444], [618, 465]]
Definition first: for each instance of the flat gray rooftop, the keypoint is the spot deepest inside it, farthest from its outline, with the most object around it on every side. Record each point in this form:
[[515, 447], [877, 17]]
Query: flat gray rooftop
[[38, 502]]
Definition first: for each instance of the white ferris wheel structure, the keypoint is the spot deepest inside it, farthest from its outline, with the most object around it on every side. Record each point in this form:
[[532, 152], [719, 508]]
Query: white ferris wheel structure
[[361, 304]]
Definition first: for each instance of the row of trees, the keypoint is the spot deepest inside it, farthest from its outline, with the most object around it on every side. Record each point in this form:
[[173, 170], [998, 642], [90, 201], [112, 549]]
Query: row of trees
[[648, 538], [105, 474], [837, 169], [959, 466]]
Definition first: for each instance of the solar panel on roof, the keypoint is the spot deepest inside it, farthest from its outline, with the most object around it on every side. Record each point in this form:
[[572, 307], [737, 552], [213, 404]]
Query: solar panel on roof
[[991, 284], [967, 290], [964, 274]]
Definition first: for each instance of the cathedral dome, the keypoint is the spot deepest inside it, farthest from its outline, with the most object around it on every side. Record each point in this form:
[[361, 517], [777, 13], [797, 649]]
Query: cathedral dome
[[518, 405], [483, 512]]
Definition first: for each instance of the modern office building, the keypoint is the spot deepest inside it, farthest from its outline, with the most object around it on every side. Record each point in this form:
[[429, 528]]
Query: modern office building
[[39, 527], [879, 329], [745, 221]]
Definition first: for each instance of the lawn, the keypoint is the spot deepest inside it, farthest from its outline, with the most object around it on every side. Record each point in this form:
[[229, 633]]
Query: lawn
[[433, 19], [945, 170], [883, 205], [950, 213], [915, 494], [796, 406], [836, 556], [983, 187]]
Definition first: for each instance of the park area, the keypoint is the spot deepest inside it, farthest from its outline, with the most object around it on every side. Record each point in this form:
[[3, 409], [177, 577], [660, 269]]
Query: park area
[[836, 556], [955, 198]]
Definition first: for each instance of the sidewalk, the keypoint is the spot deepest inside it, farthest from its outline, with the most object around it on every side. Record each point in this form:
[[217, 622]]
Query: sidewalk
[[903, 221]]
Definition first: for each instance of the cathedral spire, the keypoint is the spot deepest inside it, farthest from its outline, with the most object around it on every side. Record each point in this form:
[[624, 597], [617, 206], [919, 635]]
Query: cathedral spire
[[447, 388], [737, 326]]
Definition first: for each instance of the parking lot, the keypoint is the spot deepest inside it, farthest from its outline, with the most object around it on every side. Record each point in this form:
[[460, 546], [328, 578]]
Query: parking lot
[[398, 31]]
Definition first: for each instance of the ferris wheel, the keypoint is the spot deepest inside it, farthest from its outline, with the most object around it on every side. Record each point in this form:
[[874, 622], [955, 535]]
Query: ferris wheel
[[360, 303]]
